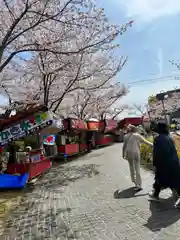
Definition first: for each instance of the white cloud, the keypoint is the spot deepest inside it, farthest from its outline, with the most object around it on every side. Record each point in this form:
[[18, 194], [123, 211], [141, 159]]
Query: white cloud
[[148, 10]]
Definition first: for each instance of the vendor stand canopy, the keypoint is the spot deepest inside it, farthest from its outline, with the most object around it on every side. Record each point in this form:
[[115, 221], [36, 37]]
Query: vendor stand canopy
[[111, 125], [78, 124], [93, 120], [24, 123]]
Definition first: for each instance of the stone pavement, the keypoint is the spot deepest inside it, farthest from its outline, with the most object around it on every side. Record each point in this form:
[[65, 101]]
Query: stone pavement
[[91, 198]]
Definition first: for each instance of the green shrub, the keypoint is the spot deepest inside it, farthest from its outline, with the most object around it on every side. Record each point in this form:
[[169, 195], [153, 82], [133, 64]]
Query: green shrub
[[146, 154]]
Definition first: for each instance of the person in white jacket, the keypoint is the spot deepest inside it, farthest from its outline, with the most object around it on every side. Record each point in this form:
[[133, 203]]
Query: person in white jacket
[[131, 152]]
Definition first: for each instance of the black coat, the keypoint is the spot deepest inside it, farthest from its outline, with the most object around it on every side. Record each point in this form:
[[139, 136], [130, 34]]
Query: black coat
[[166, 162]]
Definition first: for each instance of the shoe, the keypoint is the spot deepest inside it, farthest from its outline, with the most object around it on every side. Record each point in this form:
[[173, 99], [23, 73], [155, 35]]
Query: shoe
[[177, 204], [153, 197]]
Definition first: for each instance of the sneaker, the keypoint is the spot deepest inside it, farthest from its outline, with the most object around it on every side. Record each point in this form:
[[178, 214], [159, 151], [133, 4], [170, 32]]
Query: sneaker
[[177, 204], [153, 198]]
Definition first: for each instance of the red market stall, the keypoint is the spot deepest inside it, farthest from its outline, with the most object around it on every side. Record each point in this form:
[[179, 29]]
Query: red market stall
[[109, 133], [97, 128], [75, 132], [52, 136], [27, 122], [136, 121], [36, 164]]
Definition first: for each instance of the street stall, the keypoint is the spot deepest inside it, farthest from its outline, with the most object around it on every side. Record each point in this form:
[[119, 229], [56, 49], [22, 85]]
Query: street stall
[[108, 136], [74, 137], [136, 121], [97, 129], [53, 135], [28, 122]]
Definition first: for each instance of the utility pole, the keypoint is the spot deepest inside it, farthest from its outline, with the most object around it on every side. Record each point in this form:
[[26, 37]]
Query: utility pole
[[164, 111], [161, 97]]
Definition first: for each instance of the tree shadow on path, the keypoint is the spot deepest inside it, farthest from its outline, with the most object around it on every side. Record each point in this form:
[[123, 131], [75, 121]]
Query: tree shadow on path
[[61, 176], [162, 214], [128, 193]]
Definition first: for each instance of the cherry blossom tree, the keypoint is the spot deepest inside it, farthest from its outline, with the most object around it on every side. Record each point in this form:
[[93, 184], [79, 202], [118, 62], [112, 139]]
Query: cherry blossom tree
[[54, 77], [82, 104], [99, 103], [109, 108], [33, 26], [169, 104], [80, 72], [71, 46], [141, 108], [39, 26]]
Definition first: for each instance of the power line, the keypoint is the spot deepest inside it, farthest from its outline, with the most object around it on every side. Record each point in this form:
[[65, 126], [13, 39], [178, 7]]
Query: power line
[[150, 80], [152, 75]]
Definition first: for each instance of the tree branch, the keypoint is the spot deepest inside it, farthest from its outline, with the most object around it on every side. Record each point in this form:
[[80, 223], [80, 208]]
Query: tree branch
[[70, 84], [119, 112]]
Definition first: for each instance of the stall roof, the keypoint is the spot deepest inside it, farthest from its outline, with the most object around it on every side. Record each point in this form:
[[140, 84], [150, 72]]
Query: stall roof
[[24, 113], [93, 120]]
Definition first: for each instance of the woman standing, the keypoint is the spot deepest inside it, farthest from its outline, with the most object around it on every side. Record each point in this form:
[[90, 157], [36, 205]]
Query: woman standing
[[131, 152], [165, 162]]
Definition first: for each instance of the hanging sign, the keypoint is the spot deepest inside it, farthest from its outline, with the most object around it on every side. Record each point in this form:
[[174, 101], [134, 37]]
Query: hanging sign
[[25, 127], [50, 140], [78, 124]]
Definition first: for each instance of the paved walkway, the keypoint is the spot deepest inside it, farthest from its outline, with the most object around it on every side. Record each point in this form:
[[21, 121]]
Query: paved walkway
[[91, 199]]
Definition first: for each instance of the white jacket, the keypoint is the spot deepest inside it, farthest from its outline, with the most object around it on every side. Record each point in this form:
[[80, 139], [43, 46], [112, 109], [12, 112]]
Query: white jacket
[[132, 143]]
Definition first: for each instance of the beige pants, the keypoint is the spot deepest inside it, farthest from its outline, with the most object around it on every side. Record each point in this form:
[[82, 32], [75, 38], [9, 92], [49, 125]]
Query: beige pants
[[134, 167]]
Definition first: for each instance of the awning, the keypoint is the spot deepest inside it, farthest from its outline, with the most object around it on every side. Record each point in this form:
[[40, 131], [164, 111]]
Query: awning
[[76, 124], [110, 125]]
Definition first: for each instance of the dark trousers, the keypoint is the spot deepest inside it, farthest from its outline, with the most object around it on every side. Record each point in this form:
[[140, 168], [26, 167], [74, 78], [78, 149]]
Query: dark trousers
[[158, 187]]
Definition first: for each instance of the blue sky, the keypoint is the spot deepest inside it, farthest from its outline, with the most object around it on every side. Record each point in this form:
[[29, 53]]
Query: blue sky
[[150, 44]]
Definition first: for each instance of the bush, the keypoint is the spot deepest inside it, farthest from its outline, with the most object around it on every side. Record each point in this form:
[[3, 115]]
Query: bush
[[146, 154]]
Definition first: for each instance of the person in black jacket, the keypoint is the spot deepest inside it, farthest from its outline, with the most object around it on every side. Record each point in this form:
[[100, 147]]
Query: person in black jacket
[[165, 162]]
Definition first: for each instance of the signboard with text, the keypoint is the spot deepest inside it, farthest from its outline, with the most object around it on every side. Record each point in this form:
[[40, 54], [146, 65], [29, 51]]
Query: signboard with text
[[25, 127]]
